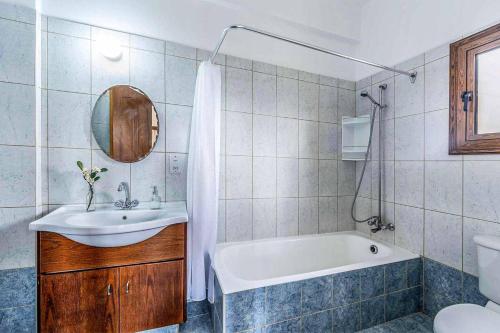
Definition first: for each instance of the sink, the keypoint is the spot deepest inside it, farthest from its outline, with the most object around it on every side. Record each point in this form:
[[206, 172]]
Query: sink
[[108, 226]]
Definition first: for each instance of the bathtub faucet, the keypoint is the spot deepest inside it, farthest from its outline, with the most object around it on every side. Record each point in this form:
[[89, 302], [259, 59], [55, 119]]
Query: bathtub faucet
[[376, 225]]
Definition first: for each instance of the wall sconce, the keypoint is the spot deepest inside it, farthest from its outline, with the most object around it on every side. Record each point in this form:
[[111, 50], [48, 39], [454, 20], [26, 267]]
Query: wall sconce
[[109, 48]]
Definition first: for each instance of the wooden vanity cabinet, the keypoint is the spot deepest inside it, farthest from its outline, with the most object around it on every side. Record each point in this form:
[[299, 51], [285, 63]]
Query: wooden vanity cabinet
[[123, 294]]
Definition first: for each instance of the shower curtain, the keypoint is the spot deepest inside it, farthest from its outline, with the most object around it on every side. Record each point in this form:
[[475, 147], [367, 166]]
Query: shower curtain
[[203, 181]]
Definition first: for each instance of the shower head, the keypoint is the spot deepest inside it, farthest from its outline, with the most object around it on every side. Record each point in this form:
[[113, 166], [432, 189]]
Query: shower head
[[364, 93]]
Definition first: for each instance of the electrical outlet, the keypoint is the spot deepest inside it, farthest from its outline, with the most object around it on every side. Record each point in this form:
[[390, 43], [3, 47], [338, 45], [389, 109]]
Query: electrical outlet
[[174, 164]]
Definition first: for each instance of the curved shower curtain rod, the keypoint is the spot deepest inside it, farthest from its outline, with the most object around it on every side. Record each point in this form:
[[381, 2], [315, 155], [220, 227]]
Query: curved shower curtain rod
[[411, 75]]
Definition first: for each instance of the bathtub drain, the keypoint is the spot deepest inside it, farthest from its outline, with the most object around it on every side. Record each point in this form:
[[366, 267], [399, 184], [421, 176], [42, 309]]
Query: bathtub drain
[[374, 249]]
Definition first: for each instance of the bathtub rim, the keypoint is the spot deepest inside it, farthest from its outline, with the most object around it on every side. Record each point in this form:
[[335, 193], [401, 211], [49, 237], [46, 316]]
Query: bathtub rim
[[230, 284]]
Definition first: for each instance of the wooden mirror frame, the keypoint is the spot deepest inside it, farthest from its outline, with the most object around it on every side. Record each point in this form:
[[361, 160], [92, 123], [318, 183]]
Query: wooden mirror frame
[[462, 136]]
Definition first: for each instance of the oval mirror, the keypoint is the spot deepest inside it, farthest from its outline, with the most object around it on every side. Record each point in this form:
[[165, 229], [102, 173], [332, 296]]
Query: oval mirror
[[125, 123]]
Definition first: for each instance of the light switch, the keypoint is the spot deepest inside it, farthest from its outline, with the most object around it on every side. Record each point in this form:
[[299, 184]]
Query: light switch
[[174, 164]]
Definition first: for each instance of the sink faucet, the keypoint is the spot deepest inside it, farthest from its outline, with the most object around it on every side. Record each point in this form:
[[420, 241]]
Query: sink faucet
[[127, 204]]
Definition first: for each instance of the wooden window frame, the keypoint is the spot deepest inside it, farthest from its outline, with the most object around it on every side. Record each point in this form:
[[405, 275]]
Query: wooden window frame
[[462, 136]]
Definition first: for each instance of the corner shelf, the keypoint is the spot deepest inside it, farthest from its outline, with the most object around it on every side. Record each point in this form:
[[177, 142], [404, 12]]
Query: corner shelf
[[355, 136]]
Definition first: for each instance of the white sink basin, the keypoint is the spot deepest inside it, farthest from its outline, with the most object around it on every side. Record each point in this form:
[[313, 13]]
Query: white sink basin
[[109, 226]]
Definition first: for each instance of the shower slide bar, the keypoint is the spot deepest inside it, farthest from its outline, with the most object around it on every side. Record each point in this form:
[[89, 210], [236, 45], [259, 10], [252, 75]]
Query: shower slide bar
[[411, 75]]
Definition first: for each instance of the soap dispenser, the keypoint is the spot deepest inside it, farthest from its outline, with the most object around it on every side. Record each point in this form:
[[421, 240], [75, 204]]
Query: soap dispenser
[[155, 199]]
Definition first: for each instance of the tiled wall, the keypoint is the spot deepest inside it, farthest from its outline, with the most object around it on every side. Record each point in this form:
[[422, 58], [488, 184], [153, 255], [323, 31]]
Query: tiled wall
[[280, 174], [437, 201], [17, 168], [344, 302]]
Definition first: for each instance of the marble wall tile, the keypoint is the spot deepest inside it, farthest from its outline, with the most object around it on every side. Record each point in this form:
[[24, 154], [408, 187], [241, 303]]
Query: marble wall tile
[[287, 72], [409, 136], [318, 322], [69, 28], [17, 61], [287, 137], [147, 71], [308, 139], [18, 176], [327, 177], [147, 173], [287, 97], [372, 312], [292, 325], [396, 277], [346, 318], [237, 62], [471, 291], [436, 136], [108, 72], [68, 64], [409, 96], [264, 135], [328, 141], [409, 183], [328, 214], [443, 235], [17, 116], [180, 80], [19, 13], [372, 282], [264, 94], [346, 288], [328, 102], [245, 310], [308, 100], [264, 177], [437, 84], [17, 243], [179, 50], [443, 186], [238, 177], [283, 302], [152, 44], [121, 38], [177, 128], [410, 228], [481, 190], [69, 120], [317, 294], [287, 177], [347, 104], [238, 133], [263, 67], [264, 218], [403, 303], [18, 287], [238, 90], [346, 222], [309, 77], [287, 217], [308, 216], [238, 220], [19, 319], [308, 177]]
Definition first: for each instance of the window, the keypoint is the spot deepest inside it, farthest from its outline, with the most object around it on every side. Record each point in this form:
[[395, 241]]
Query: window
[[475, 93]]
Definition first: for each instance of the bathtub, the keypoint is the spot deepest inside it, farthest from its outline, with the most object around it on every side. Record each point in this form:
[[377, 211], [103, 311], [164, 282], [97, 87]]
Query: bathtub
[[311, 280]]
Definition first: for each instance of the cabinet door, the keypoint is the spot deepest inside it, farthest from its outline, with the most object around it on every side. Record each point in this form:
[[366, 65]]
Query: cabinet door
[[151, 295], [80, 301]]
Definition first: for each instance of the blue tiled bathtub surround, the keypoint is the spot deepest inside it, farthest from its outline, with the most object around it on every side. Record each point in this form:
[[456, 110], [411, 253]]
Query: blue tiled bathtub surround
[[343, 302], [445, 286], [17, 300]]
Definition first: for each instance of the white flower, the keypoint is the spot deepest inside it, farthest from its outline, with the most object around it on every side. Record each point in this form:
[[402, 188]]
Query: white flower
[[96, 169]]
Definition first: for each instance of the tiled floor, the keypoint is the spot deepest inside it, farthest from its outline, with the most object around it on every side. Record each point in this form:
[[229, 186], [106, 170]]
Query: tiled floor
[[415, 323]]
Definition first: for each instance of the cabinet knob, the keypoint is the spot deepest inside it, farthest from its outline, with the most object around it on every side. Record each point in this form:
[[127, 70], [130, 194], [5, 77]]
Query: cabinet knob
[[110, 289], [127, 287]]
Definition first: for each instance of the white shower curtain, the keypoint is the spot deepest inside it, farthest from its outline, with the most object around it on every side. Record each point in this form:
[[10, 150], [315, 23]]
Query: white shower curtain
[[203, 181]]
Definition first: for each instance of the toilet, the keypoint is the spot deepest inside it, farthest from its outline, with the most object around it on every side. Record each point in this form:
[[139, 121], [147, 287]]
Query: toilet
[[471, 317]]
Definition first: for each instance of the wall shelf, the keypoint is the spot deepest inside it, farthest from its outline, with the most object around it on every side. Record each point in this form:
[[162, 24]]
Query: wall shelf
[[355, 135]]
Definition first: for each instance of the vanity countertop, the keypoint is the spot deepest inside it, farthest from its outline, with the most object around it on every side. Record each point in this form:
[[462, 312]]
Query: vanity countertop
[[108, 226]]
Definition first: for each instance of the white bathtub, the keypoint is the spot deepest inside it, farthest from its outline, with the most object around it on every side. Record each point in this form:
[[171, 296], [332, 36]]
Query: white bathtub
[[260, 263]]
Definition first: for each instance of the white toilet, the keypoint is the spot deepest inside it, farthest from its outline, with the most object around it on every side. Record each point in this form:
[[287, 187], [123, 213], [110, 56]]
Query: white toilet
[[473, 318]]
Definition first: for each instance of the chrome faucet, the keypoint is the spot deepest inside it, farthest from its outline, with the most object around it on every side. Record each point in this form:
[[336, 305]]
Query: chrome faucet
[[125, 204]]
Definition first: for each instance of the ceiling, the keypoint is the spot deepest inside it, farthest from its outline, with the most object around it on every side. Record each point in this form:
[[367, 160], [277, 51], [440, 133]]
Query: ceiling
[[384, 31]]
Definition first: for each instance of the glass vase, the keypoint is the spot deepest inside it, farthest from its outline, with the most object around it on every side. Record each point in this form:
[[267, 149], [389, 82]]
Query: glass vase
[[90, 199]]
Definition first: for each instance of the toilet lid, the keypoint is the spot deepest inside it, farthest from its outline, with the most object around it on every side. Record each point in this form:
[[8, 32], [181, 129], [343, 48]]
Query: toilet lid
[[467, 318]]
